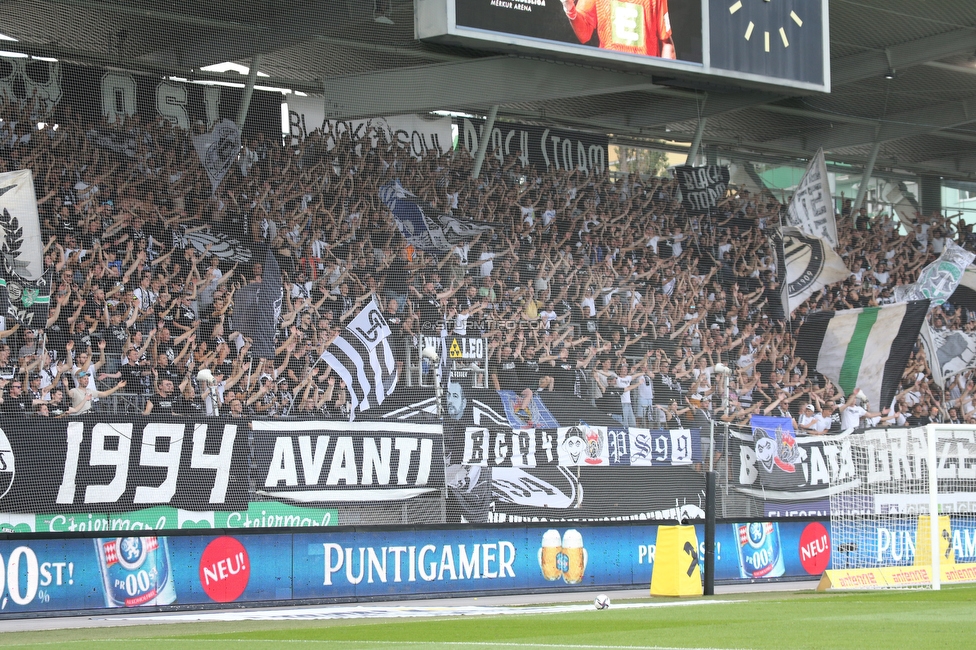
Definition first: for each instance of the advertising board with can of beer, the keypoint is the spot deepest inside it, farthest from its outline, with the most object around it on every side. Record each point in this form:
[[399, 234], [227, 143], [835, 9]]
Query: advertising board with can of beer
[[136, 571], [760, 550]]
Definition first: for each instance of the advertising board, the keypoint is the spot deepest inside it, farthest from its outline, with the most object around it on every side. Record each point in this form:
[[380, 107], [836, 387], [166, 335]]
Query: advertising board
[[206, 569]]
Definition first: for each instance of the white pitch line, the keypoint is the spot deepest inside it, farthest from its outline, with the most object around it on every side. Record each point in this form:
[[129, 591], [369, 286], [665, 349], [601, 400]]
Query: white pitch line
[[360, 611], [355, 642]]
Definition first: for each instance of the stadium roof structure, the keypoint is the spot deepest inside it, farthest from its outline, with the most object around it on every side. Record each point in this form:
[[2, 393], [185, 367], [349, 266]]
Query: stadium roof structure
[[903, 74]]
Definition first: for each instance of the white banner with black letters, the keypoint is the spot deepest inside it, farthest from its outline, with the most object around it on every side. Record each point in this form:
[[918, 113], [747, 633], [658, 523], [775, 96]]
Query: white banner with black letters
[[334, 462], [419, 134], [580, 446]]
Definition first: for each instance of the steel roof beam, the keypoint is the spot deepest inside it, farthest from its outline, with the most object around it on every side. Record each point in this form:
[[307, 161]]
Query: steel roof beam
[[901, 125], [493, 80]]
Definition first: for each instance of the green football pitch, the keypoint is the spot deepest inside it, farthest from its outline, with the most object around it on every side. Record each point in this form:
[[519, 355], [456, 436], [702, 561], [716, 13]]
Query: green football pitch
[[903, 619]]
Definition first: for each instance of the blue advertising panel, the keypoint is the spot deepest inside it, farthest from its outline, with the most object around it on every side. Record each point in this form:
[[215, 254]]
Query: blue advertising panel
[[157, 571], [892, 542]]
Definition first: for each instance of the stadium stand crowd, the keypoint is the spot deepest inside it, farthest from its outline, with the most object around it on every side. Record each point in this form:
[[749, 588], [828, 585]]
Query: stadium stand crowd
[[599, 287]]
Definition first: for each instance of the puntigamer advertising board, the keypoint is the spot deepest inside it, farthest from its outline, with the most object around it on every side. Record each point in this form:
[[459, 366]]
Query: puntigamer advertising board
[[782, 43], [45, 575]]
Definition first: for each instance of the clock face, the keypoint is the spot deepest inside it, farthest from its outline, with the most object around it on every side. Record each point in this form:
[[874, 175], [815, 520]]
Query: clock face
[[777, 38], [758, 10]]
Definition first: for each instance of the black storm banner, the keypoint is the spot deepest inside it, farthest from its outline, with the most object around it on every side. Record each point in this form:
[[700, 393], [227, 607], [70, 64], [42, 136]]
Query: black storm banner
[[702, 188], [541, 147]]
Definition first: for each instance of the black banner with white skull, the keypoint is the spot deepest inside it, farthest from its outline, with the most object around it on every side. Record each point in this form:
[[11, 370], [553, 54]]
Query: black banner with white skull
[[500, 470]]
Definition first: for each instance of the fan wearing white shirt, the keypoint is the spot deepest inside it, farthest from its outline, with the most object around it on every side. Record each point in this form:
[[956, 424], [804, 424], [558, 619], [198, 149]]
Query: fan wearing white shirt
[[810, 422], [851, 412]]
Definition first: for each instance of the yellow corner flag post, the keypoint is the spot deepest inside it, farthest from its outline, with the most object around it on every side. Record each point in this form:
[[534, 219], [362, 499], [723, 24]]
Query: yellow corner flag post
[[676, 570]]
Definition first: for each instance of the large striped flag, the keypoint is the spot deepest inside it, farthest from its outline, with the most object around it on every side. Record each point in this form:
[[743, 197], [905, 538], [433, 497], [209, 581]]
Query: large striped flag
[[363, 358], [867, 348]]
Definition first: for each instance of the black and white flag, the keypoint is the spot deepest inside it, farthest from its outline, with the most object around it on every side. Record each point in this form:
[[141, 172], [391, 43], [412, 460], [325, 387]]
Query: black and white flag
[[424, 227], [702, 188], [965, 294], [25, 288], [811, 209], [218, 150], [810, 264], [949, 352], [362, 357]]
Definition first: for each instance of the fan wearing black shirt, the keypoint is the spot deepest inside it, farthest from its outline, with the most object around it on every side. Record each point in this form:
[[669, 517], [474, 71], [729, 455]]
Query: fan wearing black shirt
[[165, 400], [14, 401]]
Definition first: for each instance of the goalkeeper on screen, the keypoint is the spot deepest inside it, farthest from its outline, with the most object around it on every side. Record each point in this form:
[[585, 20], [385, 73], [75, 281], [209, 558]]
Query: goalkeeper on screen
[[634, 26]]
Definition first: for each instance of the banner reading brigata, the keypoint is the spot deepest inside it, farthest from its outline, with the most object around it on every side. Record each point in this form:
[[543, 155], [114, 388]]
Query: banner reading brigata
[[772, 464]]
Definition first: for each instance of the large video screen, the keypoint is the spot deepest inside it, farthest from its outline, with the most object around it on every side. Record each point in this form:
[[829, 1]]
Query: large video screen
[[658, 28], [745, 42]]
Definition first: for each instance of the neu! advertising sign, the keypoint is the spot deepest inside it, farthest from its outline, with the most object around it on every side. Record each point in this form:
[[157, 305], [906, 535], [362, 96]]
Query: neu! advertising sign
[[125, 572]]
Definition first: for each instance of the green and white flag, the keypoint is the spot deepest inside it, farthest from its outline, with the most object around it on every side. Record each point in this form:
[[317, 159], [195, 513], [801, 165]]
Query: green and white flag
[[865, 348], [938, 280], [25, 287]]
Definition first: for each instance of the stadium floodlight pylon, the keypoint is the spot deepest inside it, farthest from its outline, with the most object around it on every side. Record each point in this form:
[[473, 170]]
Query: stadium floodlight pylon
[[885, 522]]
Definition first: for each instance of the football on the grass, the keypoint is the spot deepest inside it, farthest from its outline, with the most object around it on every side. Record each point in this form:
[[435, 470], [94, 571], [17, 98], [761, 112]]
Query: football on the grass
[[601, 602]]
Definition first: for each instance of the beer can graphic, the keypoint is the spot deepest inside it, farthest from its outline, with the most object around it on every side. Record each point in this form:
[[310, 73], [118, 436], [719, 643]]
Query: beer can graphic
[[136, 571], [760, 551]]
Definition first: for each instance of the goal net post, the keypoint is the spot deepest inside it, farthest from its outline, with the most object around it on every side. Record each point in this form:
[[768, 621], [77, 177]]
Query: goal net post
[[882, 527]]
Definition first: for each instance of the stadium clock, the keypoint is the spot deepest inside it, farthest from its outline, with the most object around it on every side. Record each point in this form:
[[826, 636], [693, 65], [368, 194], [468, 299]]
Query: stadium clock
[[761, 20]]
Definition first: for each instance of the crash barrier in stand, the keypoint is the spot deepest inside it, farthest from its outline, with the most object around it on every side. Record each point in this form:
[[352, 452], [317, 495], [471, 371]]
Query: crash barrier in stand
[[45, 573]]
